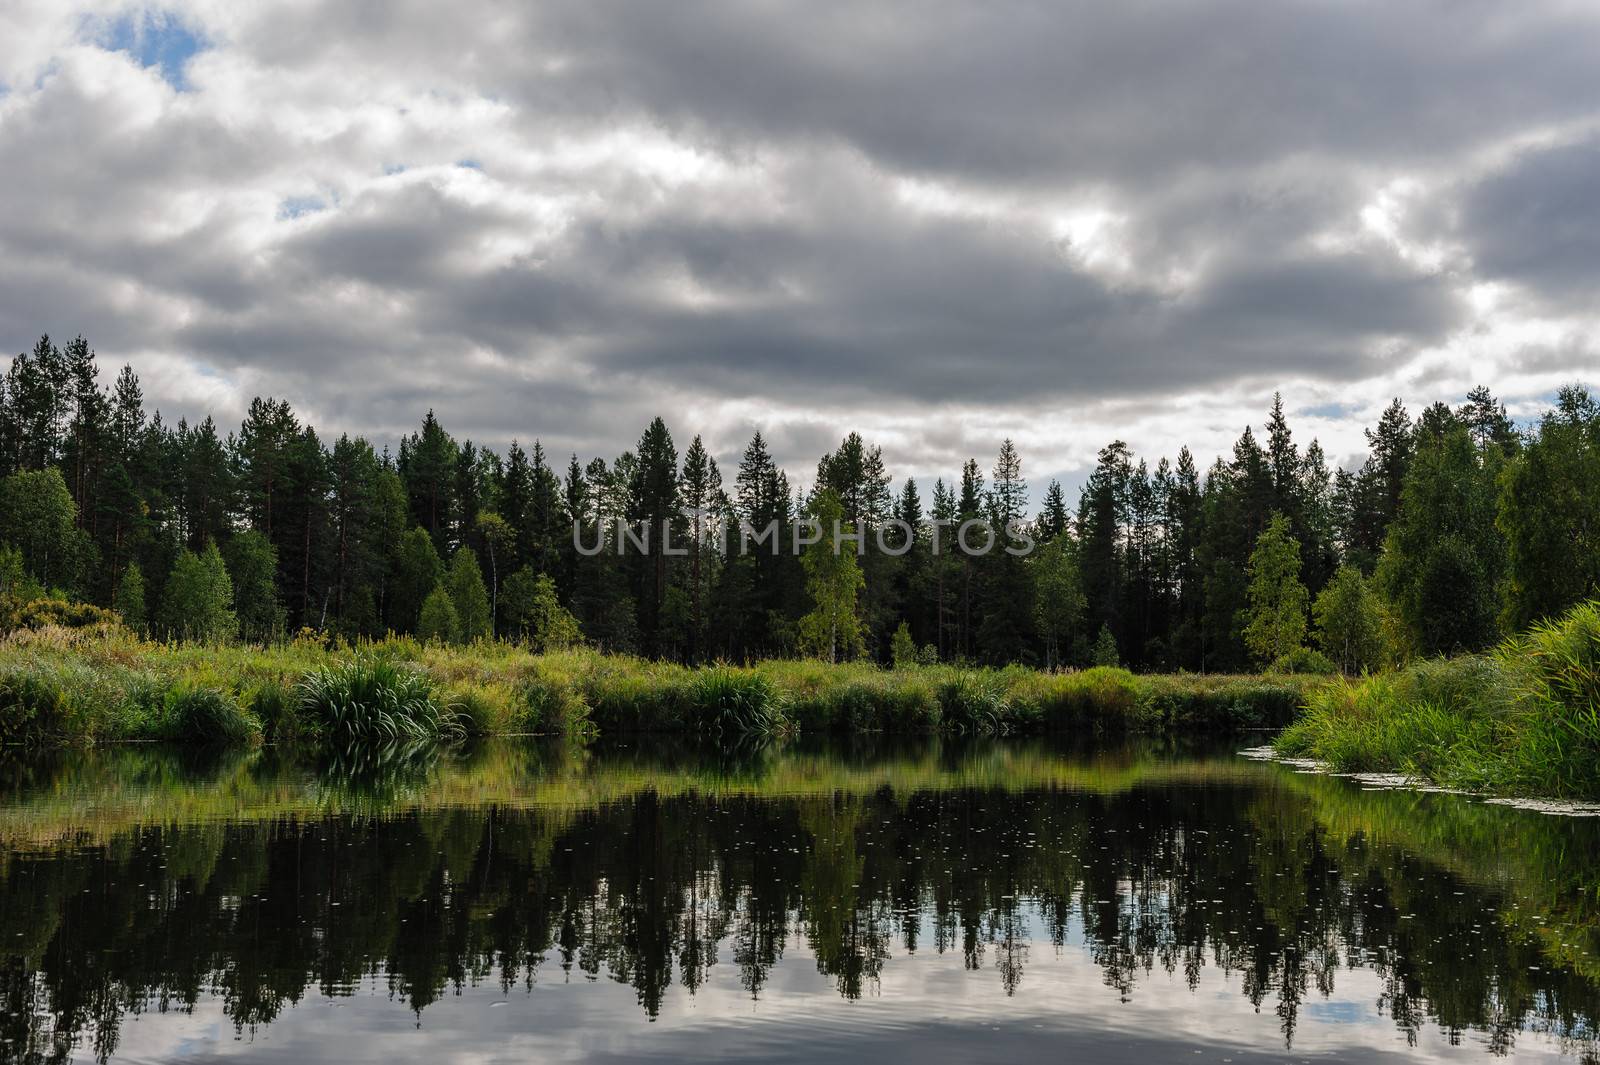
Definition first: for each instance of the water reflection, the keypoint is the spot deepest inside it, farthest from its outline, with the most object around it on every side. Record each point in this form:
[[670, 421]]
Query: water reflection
[[139, 883]]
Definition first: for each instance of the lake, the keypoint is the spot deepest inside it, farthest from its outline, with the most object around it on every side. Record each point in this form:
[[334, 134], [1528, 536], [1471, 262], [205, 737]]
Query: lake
[[923, 902]]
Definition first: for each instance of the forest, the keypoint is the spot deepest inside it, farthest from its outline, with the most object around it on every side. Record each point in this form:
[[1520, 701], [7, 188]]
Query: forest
[[1460, 527]]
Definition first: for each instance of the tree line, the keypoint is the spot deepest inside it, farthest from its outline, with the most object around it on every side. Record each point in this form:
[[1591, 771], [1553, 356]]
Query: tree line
[[1458, 527]]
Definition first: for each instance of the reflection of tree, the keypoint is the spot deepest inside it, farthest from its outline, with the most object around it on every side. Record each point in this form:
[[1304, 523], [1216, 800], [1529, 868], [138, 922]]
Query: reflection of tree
[[651, 889]]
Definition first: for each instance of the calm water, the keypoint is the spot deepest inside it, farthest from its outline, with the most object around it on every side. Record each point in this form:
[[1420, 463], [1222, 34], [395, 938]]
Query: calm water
[[931, 903]]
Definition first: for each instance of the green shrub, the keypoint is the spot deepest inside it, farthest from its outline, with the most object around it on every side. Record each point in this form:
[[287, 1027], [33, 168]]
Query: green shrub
[[1305, 660], [973, 703], [483, 710], [34, 707], [273, 704], [730, 703], [195, 713], [548, 705], [69, 615], [1102, 699], [1555, 670], [1185, 703], [373, 700], [1444, 719]]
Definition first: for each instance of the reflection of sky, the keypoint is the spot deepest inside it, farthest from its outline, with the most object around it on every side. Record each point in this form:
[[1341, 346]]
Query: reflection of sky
[[926, 1009]]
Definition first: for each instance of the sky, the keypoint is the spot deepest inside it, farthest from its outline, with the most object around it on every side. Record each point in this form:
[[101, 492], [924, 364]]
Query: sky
[[938, 224]]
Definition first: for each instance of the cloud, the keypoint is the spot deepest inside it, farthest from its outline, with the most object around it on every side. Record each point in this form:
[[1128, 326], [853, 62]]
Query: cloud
[[1536, 222], [1060, 223]]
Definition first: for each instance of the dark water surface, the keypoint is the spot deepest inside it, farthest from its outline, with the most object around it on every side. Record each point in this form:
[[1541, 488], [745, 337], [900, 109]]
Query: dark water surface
[[930, 903]]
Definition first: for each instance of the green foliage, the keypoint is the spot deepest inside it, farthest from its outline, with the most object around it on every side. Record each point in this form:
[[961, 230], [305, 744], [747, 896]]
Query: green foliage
[[903, 649], [1549, 497], [112, 686], [1443, 560], [417, 572], [1558, 673], [468, 595], [1525, 719], [832, 630], [1350, 622], [1278, 601], [438, 621], [374, 700], [42, 612], [1304, 660], [197, 603], [484, 709], [129, 603], [535, 615], [550, 704], [199, 713], [252, 563], [33, 707], [37, 515], [729, 704], [1104, 652], [973, 703], [273, 704], [16, 587], [1059, 600]]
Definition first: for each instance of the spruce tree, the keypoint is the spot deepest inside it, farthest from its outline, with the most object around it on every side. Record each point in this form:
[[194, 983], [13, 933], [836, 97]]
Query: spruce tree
[[1278, 601], [831, 631], [253, 570], [470, 599], [129, 602], [437, 621]]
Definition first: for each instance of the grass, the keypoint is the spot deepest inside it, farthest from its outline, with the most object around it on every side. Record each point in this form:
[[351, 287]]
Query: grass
[[372, 700], [74, 686], [1523, 720]]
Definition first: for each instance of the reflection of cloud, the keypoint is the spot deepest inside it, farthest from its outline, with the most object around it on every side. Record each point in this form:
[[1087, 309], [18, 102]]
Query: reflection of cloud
[[559, 220], [927, 1008]]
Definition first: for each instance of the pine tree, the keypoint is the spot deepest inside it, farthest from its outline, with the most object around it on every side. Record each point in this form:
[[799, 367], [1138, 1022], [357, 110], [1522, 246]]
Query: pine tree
[[903, 649], [548, 534], [1486, 419], [856, 475], [1102, 520], [1374, 497], [1105, 651]]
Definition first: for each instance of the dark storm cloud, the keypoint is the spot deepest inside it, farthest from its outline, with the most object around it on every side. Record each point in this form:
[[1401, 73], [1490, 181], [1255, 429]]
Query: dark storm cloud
[[1537, 222]]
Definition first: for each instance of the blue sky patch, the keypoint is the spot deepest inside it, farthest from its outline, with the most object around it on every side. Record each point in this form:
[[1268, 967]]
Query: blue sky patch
[[154, 39], [296, 206]]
